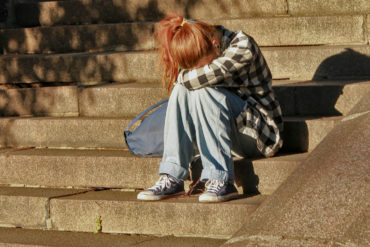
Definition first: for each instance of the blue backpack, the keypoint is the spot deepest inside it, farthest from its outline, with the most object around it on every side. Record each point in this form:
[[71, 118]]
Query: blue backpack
[[147, 139]]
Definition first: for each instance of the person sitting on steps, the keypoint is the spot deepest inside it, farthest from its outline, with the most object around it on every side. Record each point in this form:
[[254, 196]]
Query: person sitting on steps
[[221, 105]]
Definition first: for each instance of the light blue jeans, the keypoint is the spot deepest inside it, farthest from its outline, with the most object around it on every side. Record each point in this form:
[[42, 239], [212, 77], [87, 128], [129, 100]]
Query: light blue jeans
[[203, 121]]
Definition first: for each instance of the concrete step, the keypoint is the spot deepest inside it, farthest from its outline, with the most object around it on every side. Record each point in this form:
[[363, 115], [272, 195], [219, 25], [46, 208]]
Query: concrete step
[[296, 98], [98, 11], [59, 101], [79, 38], [279, 31], [114, 11], [301, 134], [120, 212], [301, 63], [331, 7], [120, 169], [28, 207], [325, 98], [48, 238]]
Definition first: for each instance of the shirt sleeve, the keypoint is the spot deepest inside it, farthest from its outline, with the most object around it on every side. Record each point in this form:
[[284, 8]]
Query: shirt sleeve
[[237, 57]]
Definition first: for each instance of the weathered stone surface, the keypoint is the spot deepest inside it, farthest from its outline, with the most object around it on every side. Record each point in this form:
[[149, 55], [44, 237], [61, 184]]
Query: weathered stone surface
[[315, 98], [319, 30], [27, 207], [63, 132], [60, 39], [301, 134], [301, 63], [265, 175], [122, 213], [48, 238], [139, 36], [119, 100], [330, 7], [326, 199], [320, 98], [318, 63], [119, 169], [113, 11], [351, 95], [78, 168], [46, 101]]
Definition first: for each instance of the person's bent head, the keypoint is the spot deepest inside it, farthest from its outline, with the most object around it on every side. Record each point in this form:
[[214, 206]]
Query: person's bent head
[[185, 44]]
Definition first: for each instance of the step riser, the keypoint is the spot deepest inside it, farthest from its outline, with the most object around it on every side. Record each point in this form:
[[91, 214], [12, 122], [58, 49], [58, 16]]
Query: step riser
[[130, 172], [130, 99], [54, 13], [139, 36], [148, 217], [108, 133], [297, 7], [18, 209], [113, 11], [295, 100], [118, 37], [122, 213], [23, 212], [47, 101], [11, 237], [294, 63]]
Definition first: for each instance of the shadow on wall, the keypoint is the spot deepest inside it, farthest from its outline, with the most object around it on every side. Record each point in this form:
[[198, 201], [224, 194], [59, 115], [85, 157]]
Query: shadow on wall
[[349, 64], [348, 67]]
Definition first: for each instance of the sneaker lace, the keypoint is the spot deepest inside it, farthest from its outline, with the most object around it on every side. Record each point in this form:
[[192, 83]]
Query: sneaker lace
[[214, 186], [164, 182]]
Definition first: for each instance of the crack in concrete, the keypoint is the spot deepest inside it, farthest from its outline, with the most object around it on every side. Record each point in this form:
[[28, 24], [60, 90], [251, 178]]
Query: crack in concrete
[[48, 222]]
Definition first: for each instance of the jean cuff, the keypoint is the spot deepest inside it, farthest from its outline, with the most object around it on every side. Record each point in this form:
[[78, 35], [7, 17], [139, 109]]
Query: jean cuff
[[217, 175], [174, 170]]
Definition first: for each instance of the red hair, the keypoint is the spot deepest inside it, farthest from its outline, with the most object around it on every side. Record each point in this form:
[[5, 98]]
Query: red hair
[[181, 45]]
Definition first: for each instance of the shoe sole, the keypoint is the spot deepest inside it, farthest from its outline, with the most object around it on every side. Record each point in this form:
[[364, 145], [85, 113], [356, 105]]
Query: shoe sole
[[157, 197], [219, 198]]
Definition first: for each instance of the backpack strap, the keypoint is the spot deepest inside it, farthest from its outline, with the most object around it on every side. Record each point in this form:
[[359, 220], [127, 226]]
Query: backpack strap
[[145, 112]]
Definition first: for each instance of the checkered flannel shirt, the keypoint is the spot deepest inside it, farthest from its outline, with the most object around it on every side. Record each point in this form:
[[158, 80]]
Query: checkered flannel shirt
[[243, 69]]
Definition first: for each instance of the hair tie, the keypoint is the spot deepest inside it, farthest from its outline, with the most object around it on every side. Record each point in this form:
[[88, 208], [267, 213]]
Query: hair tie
[[184, 20]]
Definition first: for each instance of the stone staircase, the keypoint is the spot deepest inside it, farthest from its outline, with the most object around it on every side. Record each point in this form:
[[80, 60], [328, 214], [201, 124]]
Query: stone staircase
[[73, 74]]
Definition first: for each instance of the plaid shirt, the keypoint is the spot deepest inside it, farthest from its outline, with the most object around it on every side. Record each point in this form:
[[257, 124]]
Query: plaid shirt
[[243, 69]]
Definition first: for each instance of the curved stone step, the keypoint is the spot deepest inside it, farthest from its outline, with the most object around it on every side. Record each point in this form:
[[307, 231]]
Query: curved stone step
[[120, 169], [279, 31], [301, 63]]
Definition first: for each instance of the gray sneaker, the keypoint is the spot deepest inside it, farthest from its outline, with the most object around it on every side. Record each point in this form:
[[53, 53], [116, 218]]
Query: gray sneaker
[[218, 191], [165, 187]]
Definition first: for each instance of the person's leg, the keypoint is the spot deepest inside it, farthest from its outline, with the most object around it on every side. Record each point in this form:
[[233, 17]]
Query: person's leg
[[242, 145], [178, 135], [214, 114], [178, 148], [211, 120]]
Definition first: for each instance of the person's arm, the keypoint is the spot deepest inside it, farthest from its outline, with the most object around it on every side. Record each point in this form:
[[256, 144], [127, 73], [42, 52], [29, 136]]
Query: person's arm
[[236, 57]]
